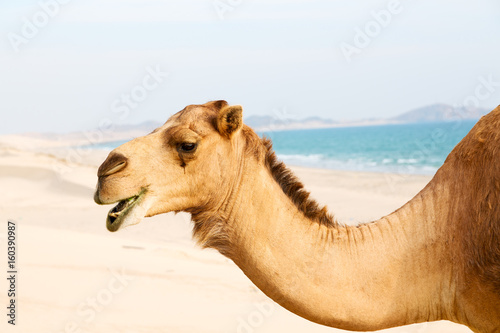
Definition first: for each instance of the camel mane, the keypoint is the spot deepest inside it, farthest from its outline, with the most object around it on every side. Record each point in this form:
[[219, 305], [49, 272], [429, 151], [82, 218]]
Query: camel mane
[[262, 149], [211, 231], [294, 189]]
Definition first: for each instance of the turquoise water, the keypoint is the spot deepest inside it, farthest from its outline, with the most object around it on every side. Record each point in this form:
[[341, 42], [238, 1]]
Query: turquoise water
[[409, 149]]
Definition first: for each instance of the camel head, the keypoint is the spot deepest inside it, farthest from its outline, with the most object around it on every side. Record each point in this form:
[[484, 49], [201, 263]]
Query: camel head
[[188, 163]]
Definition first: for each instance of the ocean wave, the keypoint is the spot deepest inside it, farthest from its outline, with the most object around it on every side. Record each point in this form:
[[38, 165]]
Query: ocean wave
[[299, 157], [407, 161], [360, 163]]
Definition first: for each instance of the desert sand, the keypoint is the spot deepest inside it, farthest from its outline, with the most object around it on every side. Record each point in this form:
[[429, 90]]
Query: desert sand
[[75, 276]]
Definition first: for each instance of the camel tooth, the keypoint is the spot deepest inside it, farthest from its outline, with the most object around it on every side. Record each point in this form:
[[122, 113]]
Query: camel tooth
[[118, 210]]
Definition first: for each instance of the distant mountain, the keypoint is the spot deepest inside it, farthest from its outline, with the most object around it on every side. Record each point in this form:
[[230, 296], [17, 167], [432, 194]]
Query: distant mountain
[[431, 113], [439, 112], [269, 123], [426, 114]]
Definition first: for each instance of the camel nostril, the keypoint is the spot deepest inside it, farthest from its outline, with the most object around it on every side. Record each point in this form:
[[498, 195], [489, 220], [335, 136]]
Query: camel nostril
[[115, 169], [113, 164]]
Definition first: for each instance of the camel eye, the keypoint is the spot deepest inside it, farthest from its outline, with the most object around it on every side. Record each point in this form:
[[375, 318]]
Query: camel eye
[[187, 147]]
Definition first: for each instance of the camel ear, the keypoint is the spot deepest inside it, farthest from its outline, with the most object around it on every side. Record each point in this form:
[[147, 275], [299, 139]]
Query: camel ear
[[229, 120]]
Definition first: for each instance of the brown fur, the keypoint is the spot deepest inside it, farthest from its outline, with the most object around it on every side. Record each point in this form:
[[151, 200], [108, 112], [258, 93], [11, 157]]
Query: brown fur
[[294, 189], [474, 166], [449, 245], [262, 149], [210, 232], [229, 120], [476, 220], [216, 105]]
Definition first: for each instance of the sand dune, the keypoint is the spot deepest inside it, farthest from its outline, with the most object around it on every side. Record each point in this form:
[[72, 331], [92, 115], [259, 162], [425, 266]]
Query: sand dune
[[74, 276]]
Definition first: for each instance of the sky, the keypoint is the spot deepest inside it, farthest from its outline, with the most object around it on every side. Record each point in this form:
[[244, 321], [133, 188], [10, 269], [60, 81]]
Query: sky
[[73, 65]]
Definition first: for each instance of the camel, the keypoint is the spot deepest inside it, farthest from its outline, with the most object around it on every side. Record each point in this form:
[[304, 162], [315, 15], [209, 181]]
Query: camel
[[435, 258]]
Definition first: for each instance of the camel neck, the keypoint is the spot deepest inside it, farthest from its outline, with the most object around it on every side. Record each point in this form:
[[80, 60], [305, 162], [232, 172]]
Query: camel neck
[[374, 276]]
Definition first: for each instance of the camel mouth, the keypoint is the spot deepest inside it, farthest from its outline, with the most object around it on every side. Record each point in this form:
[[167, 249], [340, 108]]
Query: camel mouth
[[127, 212]]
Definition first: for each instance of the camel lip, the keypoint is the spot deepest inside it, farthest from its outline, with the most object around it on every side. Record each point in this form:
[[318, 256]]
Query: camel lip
[[118, 215]]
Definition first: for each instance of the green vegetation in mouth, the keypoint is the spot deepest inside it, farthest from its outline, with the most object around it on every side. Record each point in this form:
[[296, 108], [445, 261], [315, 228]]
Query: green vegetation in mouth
[[123, 207]]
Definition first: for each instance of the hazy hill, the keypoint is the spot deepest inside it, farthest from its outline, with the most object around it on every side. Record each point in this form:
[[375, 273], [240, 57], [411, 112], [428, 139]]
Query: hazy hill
[[431, 113], [439, 112], [264, 123], [426, 114]]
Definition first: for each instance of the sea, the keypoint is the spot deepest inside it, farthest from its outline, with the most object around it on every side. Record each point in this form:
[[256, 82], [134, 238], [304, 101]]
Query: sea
[[402, 148]]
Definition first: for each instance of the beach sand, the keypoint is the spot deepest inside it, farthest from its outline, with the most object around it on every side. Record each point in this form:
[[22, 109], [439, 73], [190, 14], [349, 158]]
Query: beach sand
[[75, 276]]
